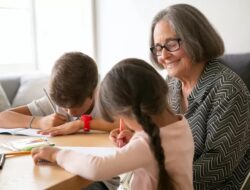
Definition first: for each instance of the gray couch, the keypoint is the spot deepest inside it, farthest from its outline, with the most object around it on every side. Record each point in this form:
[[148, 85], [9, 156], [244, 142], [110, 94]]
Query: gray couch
[[16, 90]]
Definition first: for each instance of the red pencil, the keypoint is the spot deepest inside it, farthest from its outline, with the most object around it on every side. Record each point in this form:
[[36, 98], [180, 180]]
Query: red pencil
[[121, 125], [120, 129]]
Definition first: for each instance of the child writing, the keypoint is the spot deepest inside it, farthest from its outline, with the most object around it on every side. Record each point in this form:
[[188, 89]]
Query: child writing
[[160, 153], [73, 83]]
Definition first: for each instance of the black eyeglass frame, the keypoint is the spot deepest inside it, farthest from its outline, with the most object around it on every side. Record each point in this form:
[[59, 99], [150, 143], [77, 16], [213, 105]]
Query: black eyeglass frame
[[153, 48]]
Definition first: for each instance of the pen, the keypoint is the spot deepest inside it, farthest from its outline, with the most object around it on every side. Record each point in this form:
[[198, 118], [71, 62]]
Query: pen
[[50, 101]]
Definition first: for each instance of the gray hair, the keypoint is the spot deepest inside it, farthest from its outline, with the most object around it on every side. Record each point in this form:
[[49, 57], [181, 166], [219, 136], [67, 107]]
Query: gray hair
[[200, 39]]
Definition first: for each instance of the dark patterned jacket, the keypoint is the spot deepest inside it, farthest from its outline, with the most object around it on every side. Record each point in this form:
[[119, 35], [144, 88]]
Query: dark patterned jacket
[[219, 115]]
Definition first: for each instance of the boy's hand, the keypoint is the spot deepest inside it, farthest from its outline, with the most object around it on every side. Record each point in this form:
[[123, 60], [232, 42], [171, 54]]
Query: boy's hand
[[120, 139], [65, 129], [46, 153], [50, 121]]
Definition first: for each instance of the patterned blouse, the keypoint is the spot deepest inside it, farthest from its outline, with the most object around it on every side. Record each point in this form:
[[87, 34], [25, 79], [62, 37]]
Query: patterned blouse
[[219, 115]]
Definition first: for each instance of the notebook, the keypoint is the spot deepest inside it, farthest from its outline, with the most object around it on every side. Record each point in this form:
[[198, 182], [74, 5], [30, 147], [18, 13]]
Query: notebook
[[22, 131]]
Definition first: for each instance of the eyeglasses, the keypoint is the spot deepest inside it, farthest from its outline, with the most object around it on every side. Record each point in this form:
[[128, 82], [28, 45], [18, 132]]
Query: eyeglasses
[[171, 46]]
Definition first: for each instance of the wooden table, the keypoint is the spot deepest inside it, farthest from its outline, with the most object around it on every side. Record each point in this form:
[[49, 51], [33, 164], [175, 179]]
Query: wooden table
[[20, 172]]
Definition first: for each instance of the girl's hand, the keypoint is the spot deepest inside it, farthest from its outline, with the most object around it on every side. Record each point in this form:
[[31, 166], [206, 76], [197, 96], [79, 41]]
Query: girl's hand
[[46, 153], [120, 138]]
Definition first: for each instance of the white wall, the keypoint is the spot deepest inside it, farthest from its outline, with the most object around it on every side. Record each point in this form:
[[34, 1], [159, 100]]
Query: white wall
[[123, 26], [62, 26]]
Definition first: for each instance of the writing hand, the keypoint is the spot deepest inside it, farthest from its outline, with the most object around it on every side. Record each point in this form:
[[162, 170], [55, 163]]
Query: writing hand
[[120, 138], [50, 121], [65, 129]]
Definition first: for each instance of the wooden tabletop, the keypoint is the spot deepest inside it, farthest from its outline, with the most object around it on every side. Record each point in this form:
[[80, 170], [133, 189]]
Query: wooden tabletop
[[20, 172]]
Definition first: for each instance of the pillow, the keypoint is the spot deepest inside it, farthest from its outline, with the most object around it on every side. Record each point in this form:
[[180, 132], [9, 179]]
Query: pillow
[[31, 88], [4, 102]]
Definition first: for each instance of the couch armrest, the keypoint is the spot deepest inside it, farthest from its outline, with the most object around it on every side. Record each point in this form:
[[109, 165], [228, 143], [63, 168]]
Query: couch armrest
[[10, 85]]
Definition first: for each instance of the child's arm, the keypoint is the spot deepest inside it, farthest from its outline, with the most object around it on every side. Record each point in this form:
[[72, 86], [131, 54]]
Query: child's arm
[[98, 167], [102, 125], [77, 125], [21, 117], [15, 118]]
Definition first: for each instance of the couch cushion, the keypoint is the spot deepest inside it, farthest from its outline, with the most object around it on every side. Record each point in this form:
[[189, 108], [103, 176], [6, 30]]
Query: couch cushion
[[10, 84], [4, 102], [31, 88], [239, 63]]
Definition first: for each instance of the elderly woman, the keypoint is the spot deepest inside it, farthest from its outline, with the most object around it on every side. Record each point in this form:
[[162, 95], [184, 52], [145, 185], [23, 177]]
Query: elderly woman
[[211, 96]]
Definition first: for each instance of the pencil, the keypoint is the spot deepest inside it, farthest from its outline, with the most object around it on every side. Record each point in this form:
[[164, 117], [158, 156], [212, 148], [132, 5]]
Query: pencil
[[2, 160], [50, 101], [121, 125], [16, 153], [120, 129]]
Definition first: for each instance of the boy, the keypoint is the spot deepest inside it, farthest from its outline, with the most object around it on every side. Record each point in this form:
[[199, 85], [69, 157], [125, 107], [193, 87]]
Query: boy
[[73, 84]]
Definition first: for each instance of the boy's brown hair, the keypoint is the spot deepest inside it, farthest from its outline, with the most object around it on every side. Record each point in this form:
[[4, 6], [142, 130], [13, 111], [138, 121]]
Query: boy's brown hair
[[74, 78]]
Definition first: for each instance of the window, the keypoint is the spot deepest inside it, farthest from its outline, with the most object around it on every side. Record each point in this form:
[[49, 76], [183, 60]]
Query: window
[[34, 33], [16, 35]]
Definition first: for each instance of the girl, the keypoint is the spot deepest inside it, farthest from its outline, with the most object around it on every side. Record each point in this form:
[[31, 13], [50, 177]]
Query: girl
[[160, 153]]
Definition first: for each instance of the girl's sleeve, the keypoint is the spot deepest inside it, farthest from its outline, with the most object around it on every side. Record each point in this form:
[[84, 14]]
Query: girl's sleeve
[[91, 167]]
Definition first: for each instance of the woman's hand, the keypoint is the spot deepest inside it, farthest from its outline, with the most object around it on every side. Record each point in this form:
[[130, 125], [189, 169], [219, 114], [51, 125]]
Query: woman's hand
[[46, 153], [65, 129], [120, 138]]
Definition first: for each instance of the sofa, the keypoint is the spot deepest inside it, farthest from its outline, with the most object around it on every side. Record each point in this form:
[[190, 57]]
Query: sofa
[[20, 89]]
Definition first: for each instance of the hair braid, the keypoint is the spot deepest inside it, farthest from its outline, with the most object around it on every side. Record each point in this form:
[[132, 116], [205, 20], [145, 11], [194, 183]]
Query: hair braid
[[155, 144]]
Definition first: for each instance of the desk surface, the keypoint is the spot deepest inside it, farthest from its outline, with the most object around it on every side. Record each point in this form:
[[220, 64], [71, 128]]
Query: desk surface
[[21, 172]]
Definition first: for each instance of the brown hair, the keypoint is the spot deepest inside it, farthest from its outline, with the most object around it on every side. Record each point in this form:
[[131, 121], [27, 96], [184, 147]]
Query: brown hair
[[134, 88], [200, 39], [74, 78]]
